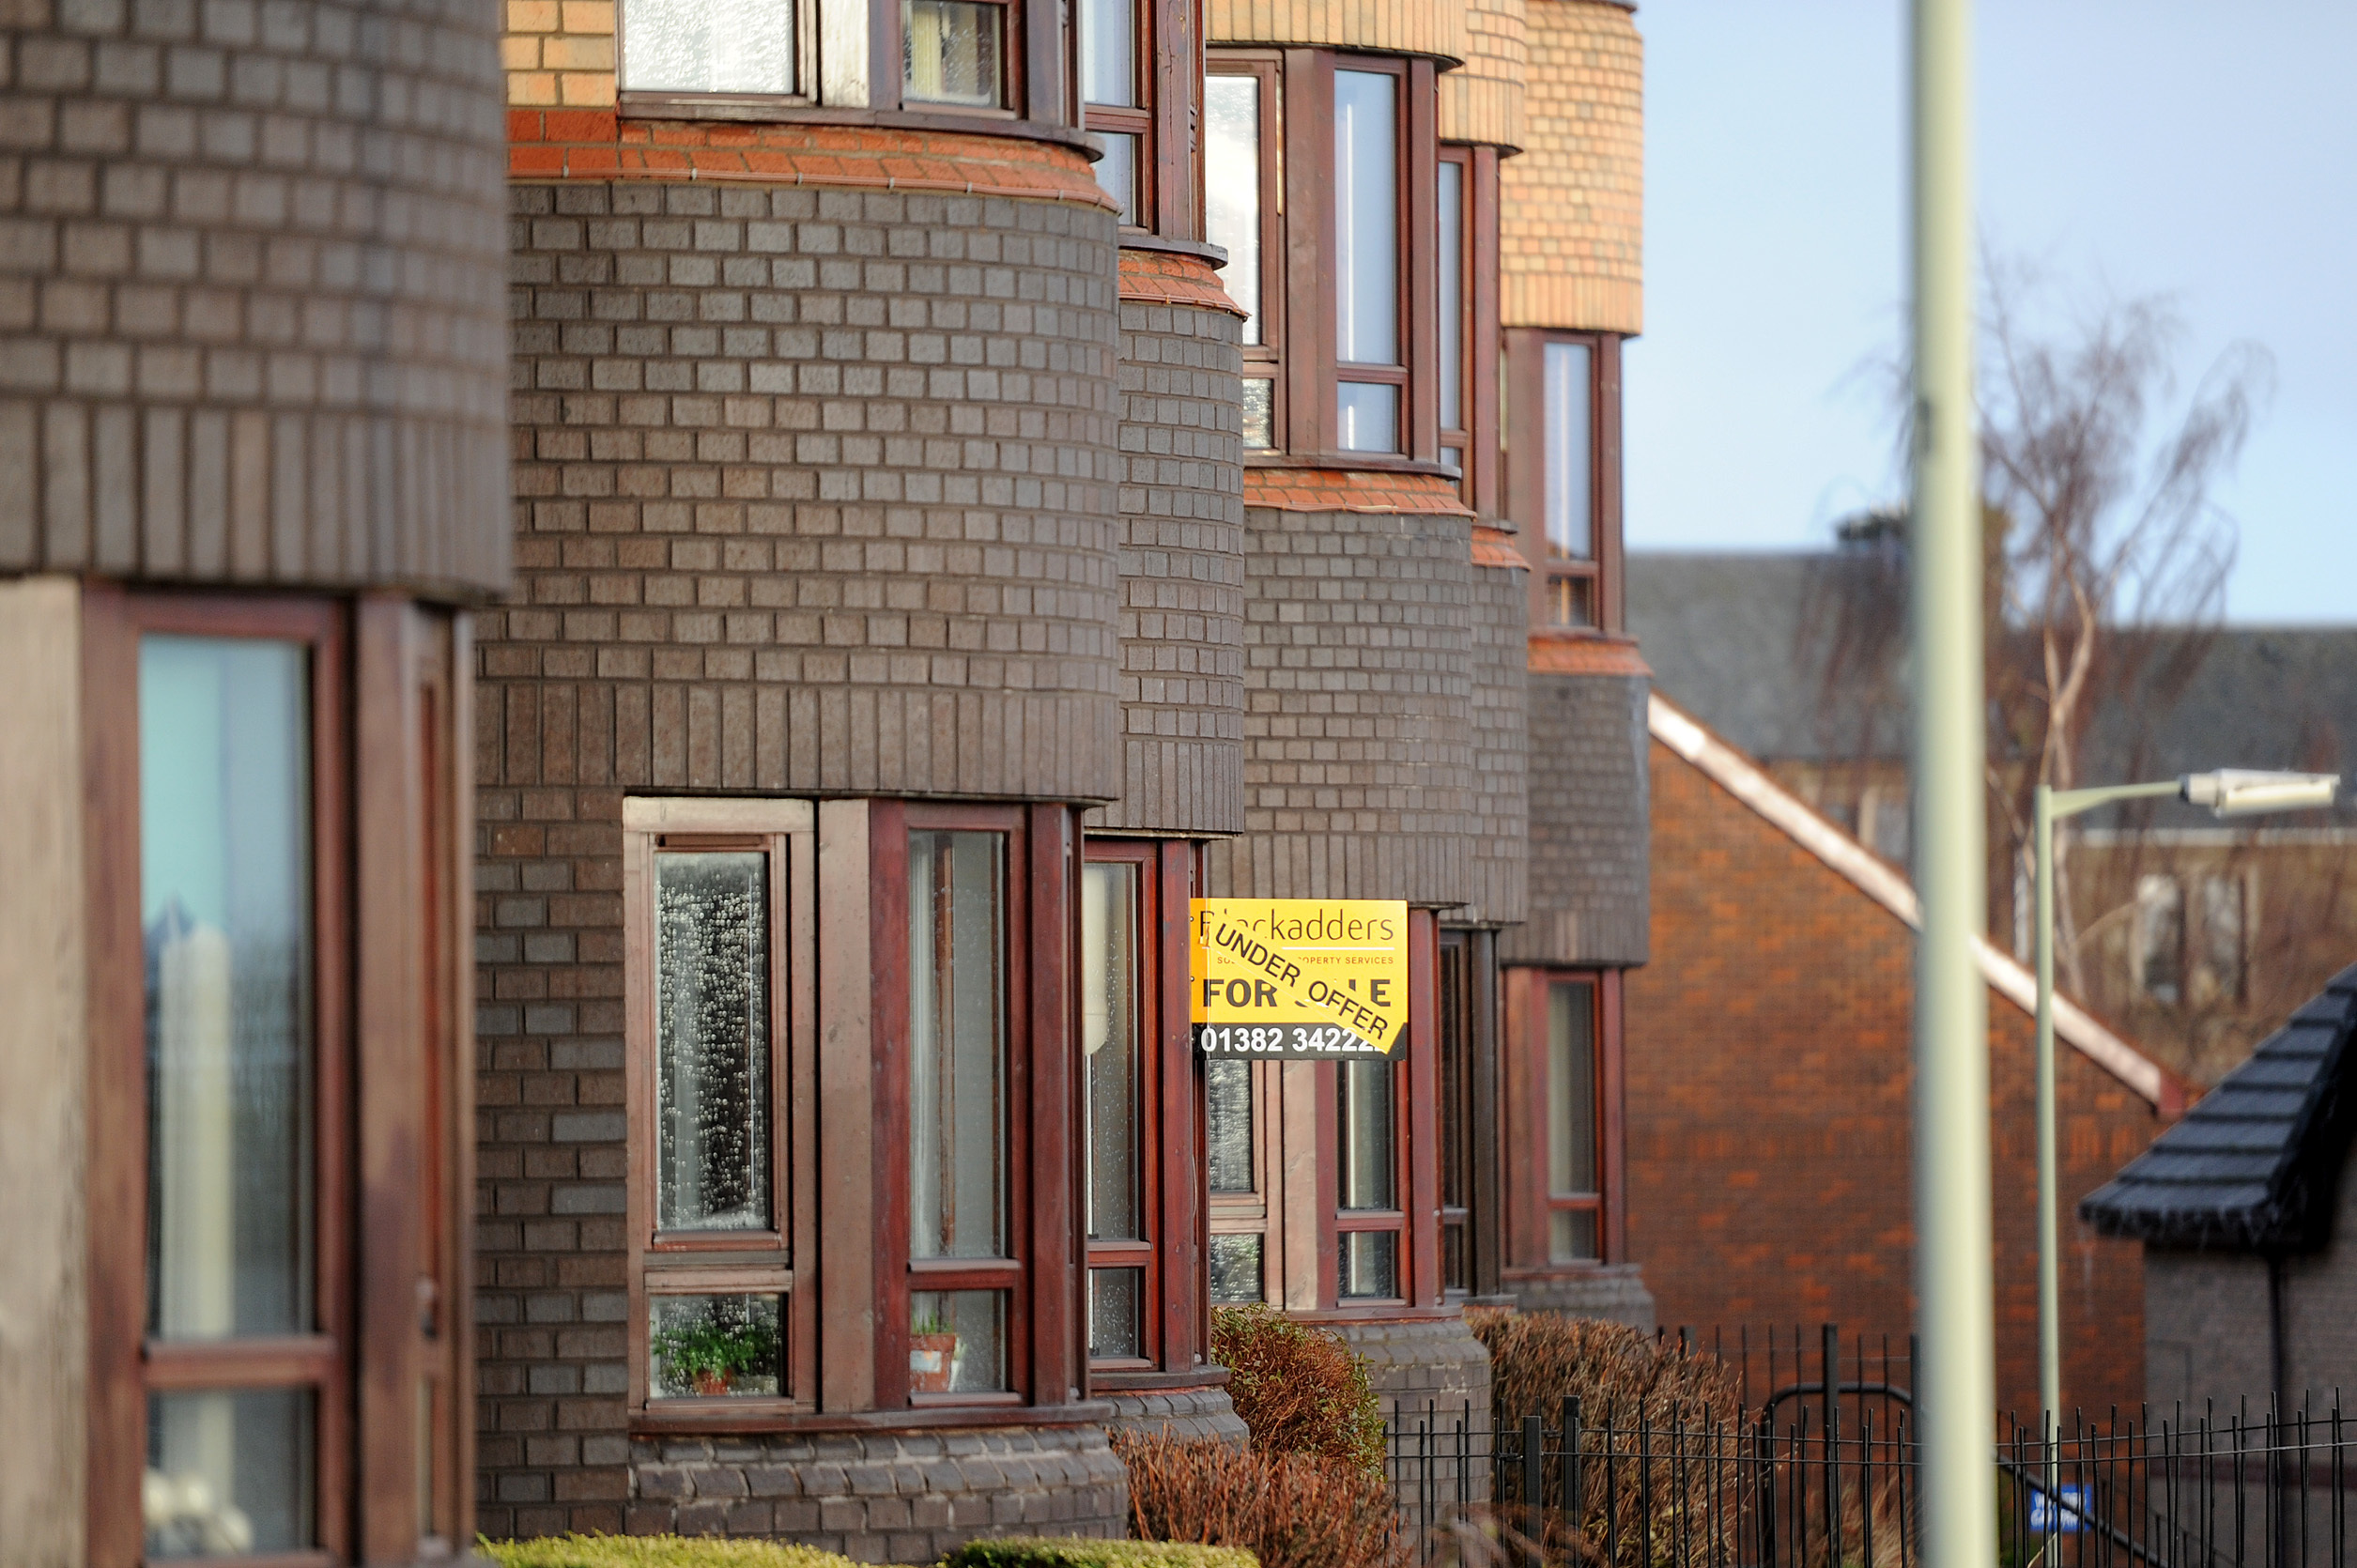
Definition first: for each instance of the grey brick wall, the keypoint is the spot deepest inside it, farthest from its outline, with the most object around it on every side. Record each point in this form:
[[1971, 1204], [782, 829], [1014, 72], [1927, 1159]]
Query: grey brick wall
[[1182, 572], [813, 493], [1502, 747], [881, 1497], [250, 292], [1181, 1412], [1358, 697], [1590, 832], [1614, 1292]]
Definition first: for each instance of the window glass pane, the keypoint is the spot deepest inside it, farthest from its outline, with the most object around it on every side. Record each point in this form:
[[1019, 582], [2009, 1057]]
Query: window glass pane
[[1363, 1134], [1369, 1264], [1232, 194], [1452, 297], [1569, 523], [1571, 1236], [949, 53], [1570, 1090], [1370, 415], [1366, 220], [1116, 171], [1114, 1295], [2161, 937], [225, 824], [715, 1346], [1109, 1034], [957, 1342], [712, 1041], [1108, 52], [1236, 1264], [2221, 977], [1228, 1117], [957, 1043], [1261, 413], [228, 1473], [696, 46]]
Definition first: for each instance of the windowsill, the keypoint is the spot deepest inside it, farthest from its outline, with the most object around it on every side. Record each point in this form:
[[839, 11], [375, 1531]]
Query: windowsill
[[642, 105], [1145, 239], [1365, 462], [1123, 1380], [952, 1414]]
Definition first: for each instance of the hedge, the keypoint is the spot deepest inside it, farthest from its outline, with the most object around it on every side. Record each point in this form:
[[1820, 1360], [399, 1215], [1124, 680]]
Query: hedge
[[655, 1551], [1067, 1552]]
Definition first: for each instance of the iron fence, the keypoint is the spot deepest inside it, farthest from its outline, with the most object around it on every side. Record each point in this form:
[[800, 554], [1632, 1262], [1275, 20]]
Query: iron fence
[[1818, 1468]]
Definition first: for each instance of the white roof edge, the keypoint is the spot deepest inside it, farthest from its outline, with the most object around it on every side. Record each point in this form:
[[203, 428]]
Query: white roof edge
[[1749, 783]]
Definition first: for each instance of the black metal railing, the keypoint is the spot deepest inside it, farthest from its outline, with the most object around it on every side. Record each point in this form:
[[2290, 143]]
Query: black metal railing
[[1824, 1473]]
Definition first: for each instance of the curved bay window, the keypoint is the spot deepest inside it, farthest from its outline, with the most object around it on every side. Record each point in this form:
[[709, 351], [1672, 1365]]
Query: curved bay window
[[1319, 173], [277, 1023], [1466, 235], [1565, 1206], [1145, 115], [1565, 475]]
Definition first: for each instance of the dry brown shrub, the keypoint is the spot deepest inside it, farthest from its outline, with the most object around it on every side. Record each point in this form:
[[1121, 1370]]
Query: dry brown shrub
[[1290, 1510], [1299, 1389]]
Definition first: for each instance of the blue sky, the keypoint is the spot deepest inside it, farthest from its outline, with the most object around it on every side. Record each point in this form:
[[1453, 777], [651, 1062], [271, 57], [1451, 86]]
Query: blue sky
[[2141, 146]]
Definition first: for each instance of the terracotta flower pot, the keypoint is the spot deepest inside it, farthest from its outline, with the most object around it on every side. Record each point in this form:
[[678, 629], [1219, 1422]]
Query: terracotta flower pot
[[930, 1358], [711, 1383]]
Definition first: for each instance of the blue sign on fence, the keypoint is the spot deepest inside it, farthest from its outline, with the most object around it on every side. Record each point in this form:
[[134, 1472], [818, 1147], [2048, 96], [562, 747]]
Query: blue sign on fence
[[2063, 1514]]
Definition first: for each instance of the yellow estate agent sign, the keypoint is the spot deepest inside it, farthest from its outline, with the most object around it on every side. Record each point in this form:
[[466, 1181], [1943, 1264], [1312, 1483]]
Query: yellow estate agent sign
[[1314, 978]]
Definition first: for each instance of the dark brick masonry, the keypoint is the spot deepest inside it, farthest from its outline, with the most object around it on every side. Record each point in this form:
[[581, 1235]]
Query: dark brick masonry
[[1589, 835]]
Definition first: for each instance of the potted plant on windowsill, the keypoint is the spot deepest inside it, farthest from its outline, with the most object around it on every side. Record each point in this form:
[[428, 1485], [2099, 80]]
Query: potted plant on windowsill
[[932, 1355], [712, 1356]]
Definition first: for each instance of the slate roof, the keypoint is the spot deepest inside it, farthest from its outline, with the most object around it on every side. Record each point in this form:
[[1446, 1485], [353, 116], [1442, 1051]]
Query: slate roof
[[2253, 1165]]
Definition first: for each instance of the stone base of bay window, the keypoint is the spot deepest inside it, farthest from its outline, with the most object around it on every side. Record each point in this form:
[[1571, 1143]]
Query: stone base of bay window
[[1612, 1292], [1420, 1363], [881, 1497], [1181, 1412]]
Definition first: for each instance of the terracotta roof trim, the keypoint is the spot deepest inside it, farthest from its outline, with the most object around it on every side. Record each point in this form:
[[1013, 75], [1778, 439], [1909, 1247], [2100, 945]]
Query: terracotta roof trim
[[1749, 783]]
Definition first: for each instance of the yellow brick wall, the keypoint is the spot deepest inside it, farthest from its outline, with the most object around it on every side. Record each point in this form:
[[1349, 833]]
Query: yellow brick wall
[[1572, 206], [559, 54], [1482, 99], [1402, 27]]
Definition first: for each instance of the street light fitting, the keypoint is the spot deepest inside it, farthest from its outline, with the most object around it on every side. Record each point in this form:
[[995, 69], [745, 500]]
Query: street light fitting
[[2248, 792]]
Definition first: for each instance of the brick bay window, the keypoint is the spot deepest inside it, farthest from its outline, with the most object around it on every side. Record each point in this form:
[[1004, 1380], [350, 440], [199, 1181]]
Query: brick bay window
[[281, 1071], [1466, 1022], [1143, 1193], [1466, 249], [1565, 1206], [1321, 184], [848, 1113], [1564, 474]]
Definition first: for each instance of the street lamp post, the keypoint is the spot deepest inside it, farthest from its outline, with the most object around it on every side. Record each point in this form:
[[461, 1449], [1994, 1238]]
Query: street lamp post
[[2228, 793]]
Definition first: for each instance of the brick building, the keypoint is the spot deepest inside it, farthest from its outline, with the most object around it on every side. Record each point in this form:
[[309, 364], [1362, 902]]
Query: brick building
[[1769, 1102]]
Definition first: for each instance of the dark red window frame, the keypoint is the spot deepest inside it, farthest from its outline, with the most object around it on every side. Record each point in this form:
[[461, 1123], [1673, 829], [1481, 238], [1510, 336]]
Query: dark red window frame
[[1530, 1200], [1591, 586]]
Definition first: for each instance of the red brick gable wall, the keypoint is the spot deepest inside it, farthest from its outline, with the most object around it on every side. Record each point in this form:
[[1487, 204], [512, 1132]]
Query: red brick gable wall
[[1768, 1113]]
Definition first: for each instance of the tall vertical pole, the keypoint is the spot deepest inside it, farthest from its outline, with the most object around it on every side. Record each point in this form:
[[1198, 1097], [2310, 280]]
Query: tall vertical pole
[[2049, 1243], [1952, 1066]]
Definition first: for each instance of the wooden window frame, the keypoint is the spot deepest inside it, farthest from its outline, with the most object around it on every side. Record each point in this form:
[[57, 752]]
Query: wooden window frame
[[747, 1263], [391, 983], [1260, 1212], [1476, 442], [1467, 1003], [656, 101], [1266, 360], [1415, 1112], [1598, 576], [1530, 1200], [1174, 1323], [1167, 38]]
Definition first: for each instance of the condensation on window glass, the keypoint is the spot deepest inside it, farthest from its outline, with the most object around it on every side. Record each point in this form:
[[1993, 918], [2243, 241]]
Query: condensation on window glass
[[1369, 1263], [957, 1045], [1236, 1267], [1109, 1036], [949, 53], [715, 1346], [696, 46], [957, 1342], [1116, 171], [1370, 415], [1571, 1151], [712, 1005], [1569, 523], [229, 1474], [1366, 220], [1231, 197], [1108, 52], [1261, 413], [225, 879], [1452, 258], [1571, 1236], [1364, 1095], [1115, 1298], [1229, 1118]]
